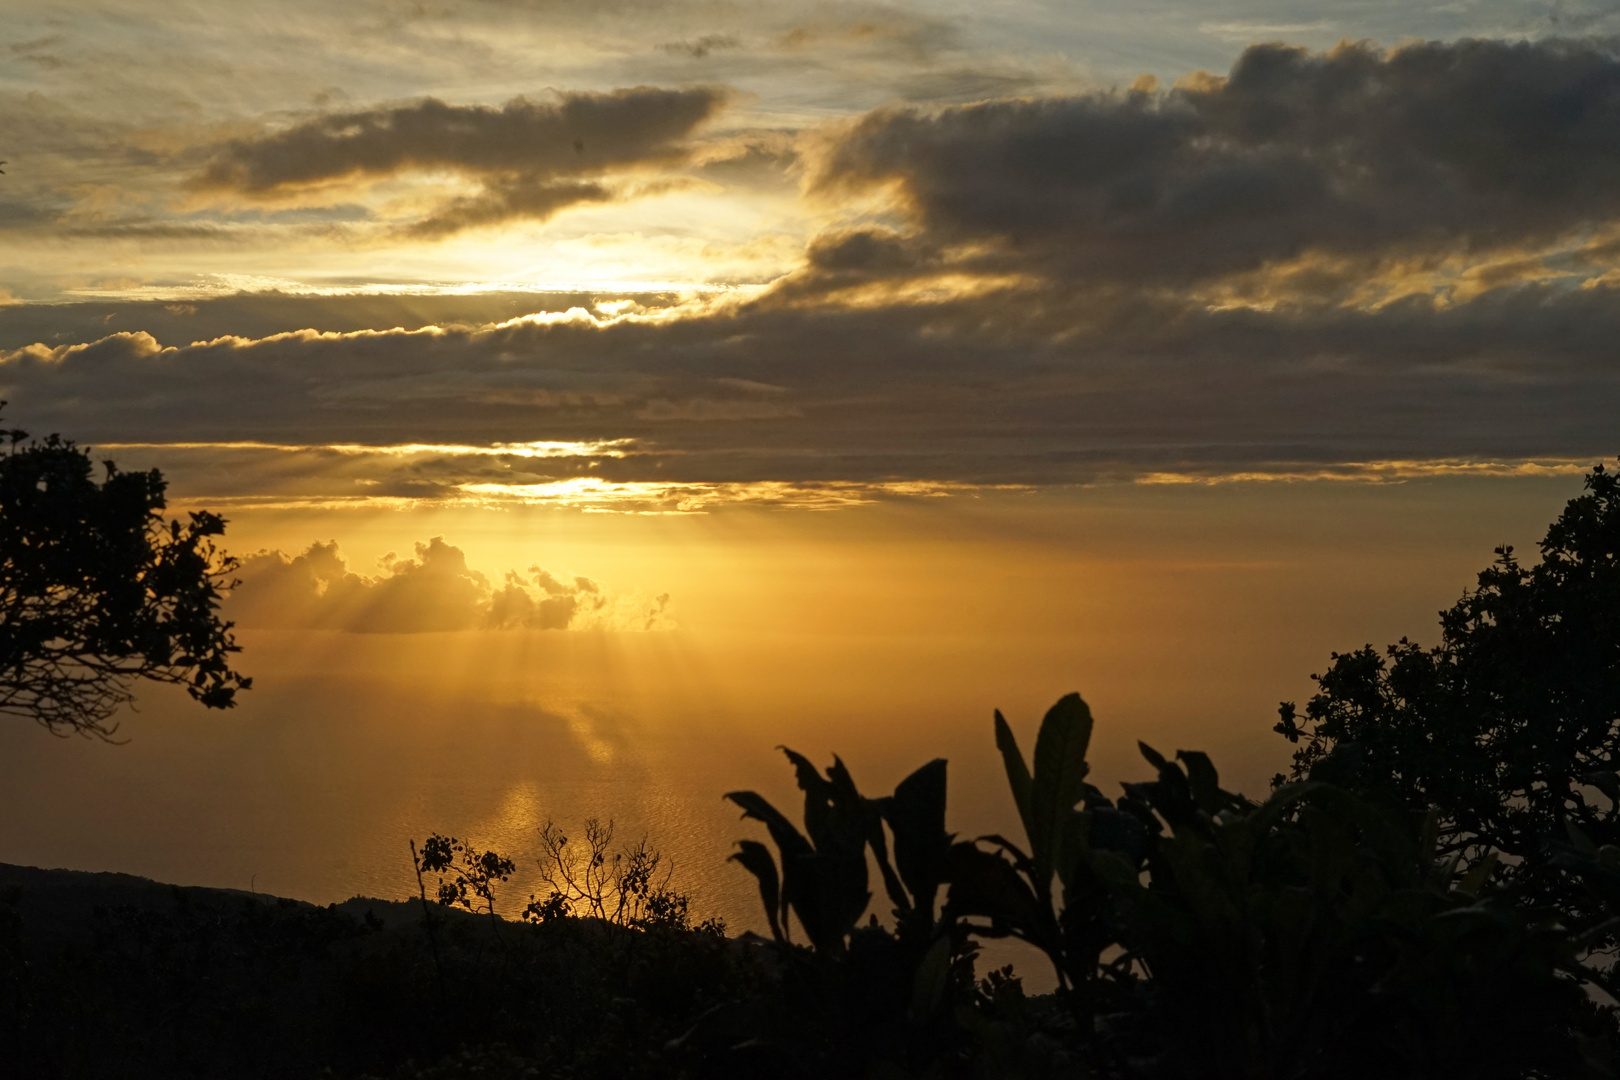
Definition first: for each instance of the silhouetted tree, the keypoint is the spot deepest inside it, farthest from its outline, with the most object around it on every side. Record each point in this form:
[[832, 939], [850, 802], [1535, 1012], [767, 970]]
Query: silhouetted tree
[[1510, 727], [98, 590]]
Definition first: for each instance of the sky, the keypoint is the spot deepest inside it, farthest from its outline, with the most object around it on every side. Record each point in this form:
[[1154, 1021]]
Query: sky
[[668, 254], [639, 385]]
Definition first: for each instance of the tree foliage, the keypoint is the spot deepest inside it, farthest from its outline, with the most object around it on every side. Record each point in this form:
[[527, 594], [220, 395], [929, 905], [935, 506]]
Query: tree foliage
[[1509, 728], [99, 591]]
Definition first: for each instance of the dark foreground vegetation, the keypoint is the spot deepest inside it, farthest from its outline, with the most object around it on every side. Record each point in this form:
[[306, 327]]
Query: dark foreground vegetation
[[1433, 892]]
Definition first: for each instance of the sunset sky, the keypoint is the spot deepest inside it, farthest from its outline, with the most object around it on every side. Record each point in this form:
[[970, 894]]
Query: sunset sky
[[603, 393]]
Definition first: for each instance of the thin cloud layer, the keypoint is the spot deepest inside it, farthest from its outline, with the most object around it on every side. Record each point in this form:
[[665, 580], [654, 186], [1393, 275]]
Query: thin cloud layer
[[434, 592], [1466, 146], [532, 158]]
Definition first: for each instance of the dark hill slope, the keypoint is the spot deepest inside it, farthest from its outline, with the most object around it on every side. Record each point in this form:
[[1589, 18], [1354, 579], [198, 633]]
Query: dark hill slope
[[115, 976]]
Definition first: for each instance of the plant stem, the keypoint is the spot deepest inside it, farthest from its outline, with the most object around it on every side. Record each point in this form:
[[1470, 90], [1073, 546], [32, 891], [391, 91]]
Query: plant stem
[[427, 920]]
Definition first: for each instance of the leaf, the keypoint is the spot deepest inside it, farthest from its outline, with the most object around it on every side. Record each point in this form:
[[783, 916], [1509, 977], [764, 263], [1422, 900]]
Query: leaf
[[755, 857], [1074, 845], [1170, 796], [1018, 778], [987, 885], [916, 814], [843, 790], [1203, 779], [1059, 781], [789, 841], [818, 798], [1060, 750], [1154, 758], [903, 905], [828, 892]]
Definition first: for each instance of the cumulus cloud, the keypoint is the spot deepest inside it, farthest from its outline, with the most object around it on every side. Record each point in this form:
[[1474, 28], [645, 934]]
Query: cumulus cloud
[[434, 591], [1428, 147], [532, 158]]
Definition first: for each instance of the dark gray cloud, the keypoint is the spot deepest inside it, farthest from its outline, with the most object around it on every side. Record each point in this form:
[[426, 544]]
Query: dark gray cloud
[[864, 250], [1463, 146], [533, 157], [575, 134], [505, 200]]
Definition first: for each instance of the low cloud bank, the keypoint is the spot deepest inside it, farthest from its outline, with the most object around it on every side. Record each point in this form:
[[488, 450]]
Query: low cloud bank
[[435, 591], [1006, 388]]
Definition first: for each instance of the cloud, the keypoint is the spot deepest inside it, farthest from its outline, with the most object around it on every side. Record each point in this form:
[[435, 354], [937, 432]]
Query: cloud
[[36, 52], [701, 47], [878, 29], [574, 134], [761, 158], [435, 591], [863, 250], [508, 200], [1010, 387], [1324, 258], [1430, 147], [532, 158]]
